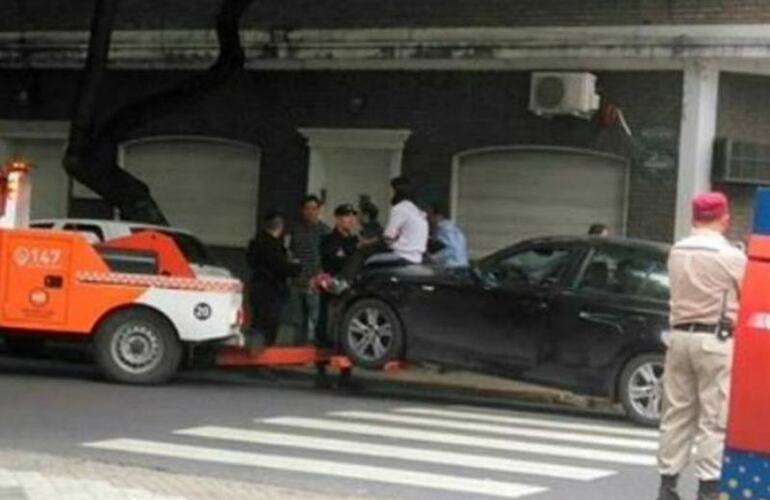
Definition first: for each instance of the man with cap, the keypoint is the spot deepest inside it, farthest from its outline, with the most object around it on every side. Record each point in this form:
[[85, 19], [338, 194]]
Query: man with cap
[[342, 242], [336, 249], [705, 271]]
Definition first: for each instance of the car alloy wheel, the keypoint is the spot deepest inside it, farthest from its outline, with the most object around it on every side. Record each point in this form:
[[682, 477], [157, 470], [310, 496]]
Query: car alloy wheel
[[645, 389], [370, 334]]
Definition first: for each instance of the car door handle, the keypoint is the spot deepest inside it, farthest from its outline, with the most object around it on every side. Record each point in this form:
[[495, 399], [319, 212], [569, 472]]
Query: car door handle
[[428, 288]]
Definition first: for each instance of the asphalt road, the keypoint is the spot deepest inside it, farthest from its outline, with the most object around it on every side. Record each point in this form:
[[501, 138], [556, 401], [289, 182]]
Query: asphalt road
[[284, 432]]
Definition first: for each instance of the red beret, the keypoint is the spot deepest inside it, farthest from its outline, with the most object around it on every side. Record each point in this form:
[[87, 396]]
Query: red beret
[[707, 207]]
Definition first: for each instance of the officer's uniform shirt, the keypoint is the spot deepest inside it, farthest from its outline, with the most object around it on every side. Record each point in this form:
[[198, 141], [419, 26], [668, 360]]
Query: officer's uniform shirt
[[335, 250], [702, 268]]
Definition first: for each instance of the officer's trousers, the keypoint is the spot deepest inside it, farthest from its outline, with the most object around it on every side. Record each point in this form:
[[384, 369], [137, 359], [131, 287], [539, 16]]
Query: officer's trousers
[[696, 387]]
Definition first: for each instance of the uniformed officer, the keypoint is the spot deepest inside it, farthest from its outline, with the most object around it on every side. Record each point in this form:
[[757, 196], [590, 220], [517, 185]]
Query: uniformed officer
[[706, 273], [342, 242], [336, 249]]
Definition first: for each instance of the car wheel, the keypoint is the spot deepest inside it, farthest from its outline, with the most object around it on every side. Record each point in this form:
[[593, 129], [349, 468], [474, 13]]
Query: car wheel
[[137, 346], [371, 334], [641, 389]]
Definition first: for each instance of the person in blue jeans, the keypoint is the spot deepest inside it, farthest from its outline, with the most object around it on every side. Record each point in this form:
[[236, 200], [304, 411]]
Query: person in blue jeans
[[305, 245]]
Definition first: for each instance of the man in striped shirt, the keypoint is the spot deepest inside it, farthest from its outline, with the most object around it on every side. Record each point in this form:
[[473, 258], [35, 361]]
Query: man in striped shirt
[[305, 246]]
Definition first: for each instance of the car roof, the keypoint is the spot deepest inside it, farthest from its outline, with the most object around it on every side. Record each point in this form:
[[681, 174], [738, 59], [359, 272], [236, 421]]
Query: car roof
[[110, 222], [600, 241]]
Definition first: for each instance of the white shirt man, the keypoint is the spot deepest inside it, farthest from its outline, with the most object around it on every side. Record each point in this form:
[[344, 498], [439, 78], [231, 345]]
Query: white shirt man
[[407, 231]]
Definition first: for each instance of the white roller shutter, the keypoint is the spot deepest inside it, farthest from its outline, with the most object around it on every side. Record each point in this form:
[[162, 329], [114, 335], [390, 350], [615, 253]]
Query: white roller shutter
[[507, 195], [209, 187]]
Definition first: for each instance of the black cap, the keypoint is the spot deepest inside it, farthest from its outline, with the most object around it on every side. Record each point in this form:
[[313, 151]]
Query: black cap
[[345, 209]]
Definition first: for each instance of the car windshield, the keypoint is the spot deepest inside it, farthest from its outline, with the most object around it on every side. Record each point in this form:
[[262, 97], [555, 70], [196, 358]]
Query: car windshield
[[191, 247]]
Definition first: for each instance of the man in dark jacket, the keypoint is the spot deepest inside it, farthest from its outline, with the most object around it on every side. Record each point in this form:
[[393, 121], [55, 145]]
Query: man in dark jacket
[[341, 243], [270, 270], [336, 249]]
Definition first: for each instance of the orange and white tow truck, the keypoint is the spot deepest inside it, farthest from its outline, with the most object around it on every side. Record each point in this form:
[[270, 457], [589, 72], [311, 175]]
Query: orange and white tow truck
[[136, 298]]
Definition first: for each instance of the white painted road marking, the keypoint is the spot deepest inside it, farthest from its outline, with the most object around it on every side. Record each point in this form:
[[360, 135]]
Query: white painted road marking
[[390, 431], [323, 467], [550, 435], [531, 421], [398, 452]]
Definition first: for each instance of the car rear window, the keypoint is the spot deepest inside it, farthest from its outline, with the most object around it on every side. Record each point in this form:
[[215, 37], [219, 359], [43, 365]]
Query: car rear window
[[95, 232]]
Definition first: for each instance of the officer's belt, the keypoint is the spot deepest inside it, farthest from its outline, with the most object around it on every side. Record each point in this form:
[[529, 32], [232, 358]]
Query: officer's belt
[[697, 327]]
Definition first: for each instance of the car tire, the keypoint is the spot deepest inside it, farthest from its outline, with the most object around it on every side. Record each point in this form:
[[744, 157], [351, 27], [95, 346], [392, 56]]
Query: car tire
[[137, 346], [372, 334], [641, 389]]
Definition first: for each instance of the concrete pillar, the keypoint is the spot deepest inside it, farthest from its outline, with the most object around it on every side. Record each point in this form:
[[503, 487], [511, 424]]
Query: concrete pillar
[[696, 139]]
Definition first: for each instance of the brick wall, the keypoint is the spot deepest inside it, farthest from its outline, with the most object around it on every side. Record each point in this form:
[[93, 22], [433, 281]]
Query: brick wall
[[151, 14], [447, 112], [744, 114]]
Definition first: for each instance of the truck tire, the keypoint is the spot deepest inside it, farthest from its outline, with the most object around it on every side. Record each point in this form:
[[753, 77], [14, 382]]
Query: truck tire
[[137, 346], [641, 389], [372, 334]]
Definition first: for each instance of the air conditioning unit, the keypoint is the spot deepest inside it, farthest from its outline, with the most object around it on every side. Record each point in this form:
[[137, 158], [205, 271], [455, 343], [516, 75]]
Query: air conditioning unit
[[741, 162], [563, 94]]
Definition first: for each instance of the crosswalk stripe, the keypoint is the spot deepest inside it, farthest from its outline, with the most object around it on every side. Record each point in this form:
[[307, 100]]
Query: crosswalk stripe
[[551, 435], [390, 431], [398, 452], [532, 422], [320, 467]]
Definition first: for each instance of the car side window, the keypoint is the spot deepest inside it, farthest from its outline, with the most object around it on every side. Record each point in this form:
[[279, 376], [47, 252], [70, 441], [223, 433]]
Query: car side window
[[530, 266], [657, 285], [628, 272], [41, 225], [93, 232]]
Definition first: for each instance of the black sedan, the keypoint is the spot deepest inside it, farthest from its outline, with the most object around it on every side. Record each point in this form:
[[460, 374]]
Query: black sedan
[[584, 314]]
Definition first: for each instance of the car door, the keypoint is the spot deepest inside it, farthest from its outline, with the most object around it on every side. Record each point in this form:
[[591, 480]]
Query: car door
[[619, 300], [492, 319]]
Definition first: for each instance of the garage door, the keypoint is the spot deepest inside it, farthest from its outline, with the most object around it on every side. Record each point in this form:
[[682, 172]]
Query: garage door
[[209, 187], [50, 183], [503, 196]]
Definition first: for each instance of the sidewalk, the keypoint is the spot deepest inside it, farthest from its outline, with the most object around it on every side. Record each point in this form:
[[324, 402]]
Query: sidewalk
[[32, 476]]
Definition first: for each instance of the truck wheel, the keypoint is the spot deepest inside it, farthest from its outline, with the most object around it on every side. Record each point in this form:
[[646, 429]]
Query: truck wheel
[[371, 334], [641, 389], [137, 346]]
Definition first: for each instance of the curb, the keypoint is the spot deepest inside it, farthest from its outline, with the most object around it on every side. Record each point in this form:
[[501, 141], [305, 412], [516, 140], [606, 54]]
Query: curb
[[383, 383]]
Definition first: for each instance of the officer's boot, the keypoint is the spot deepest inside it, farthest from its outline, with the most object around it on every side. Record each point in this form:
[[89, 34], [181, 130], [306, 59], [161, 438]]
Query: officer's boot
[[668, 488], [708, 490]]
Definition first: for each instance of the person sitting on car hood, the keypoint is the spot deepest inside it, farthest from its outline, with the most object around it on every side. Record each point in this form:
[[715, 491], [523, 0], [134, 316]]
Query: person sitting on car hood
[[404, 240]]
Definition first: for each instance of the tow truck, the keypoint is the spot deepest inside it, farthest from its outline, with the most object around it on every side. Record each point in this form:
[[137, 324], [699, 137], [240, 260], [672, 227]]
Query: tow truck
[[136, 299]]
